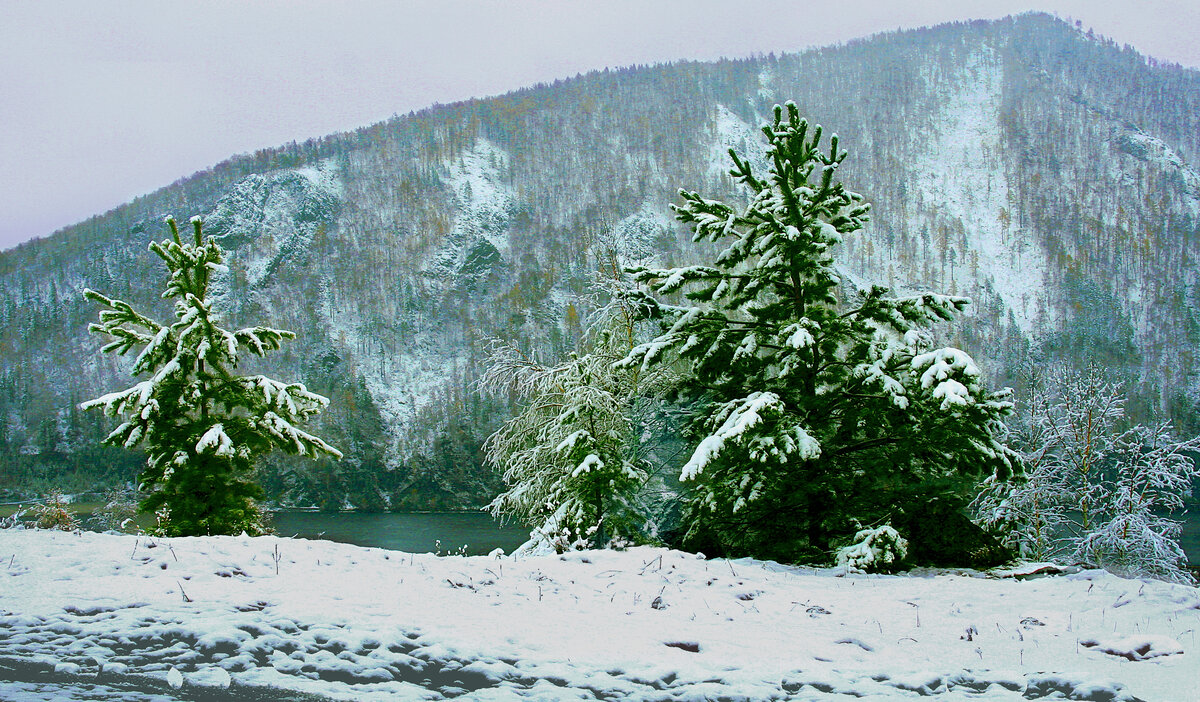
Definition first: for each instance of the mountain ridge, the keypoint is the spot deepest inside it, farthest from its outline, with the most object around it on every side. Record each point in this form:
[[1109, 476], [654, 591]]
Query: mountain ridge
[[1003, 159]]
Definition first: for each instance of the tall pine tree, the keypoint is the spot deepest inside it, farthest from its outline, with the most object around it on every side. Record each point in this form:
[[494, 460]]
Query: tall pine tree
[[202, 424], [817, 408]]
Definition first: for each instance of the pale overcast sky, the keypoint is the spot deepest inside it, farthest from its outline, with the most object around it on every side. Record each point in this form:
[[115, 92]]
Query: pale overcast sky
[[104, 101]]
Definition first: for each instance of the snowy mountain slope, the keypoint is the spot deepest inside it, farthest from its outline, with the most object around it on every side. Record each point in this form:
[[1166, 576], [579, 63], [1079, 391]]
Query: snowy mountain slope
[[1050, 176], [732, 132], [270, 219], [964, 185]]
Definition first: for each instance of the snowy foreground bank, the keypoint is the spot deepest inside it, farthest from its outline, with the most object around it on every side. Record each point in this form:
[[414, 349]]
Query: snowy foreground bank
[[210, 618]]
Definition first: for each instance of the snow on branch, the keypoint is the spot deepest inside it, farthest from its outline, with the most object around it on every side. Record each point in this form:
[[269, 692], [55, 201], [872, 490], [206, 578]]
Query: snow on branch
[[260, 340], [740, 418], [941, 370], [215, 441], [293, 439]]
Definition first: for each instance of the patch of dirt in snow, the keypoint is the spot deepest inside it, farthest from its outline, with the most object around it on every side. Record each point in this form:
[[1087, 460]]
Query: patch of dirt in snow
[[1134, 648]]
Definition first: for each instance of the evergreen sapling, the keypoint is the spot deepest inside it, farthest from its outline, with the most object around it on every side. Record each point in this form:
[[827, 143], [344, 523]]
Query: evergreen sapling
[[202, 424]]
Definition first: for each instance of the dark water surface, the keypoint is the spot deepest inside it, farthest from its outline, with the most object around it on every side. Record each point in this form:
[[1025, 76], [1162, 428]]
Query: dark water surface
[[414, 533], [479, 532], [1190, 538]]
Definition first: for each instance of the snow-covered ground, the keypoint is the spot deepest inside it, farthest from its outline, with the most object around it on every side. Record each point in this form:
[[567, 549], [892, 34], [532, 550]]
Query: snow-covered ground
[[189, 618]]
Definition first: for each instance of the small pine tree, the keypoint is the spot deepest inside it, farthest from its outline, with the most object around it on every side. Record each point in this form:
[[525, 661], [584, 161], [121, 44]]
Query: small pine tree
[[202, 425], [54, 513], [814, 405]]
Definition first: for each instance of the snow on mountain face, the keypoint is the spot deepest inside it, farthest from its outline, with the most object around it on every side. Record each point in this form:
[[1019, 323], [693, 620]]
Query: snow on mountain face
[[766, 82], [483, 212], [732, 132], [401, 383], [1149, 149], [962, 179], [266, 220], [638, 237]]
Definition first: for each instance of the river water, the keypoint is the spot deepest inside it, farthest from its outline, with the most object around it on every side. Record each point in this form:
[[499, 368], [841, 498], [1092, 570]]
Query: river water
[[448, 532], [445, 532], [478, 531]]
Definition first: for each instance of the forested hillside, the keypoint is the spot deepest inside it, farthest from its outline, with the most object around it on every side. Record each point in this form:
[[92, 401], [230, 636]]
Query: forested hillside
[[1052, 176]]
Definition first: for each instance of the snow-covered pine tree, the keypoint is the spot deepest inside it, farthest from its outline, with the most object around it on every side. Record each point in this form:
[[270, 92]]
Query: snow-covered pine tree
[[202, 425], [816, 408]]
